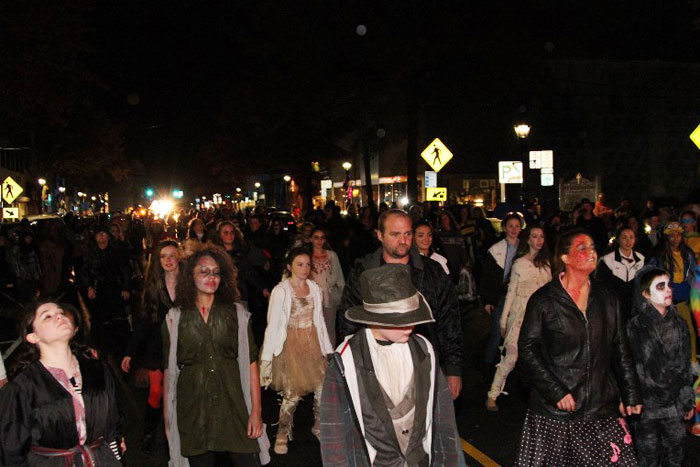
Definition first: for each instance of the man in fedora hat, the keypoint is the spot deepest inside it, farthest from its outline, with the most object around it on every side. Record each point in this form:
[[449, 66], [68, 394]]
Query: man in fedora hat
[[385, 401], [445, 333]]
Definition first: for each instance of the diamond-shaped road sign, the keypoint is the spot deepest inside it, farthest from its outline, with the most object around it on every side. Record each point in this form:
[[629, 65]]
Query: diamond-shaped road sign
[[10, 190], [695, 136], [436, 155]]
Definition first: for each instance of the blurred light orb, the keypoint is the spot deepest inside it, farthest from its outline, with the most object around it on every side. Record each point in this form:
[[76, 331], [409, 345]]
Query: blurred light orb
[[361, 30], [381, 133]]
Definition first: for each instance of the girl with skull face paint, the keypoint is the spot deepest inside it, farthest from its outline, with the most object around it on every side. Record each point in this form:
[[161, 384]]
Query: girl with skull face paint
[[660, 345]]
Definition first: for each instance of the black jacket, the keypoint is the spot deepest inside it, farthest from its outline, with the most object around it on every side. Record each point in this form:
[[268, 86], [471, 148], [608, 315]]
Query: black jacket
[[661, 349], [430, 279], [563, 351], [35, 410]]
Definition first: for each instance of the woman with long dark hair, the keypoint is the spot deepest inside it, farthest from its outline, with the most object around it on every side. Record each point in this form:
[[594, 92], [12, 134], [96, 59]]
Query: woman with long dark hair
[[451, 243], [573, 350], [146, 342], [59, 407], [212, 388], [530, 271], [327, 273]]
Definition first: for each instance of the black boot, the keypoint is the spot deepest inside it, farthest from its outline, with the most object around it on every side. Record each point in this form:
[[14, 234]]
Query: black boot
[[153, 416]]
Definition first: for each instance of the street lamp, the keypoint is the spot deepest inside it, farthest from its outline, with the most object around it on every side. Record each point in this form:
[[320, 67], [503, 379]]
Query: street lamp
[[347, 166], [522, 131], [287, 178], [62, 189], [42, 181], [257, 185]]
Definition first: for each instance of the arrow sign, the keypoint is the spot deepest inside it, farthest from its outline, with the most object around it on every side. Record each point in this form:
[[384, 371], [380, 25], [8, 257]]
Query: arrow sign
[[436, 194], [10, 213]]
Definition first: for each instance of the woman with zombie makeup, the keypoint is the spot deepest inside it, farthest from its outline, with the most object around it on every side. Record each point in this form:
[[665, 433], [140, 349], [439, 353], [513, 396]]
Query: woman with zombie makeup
[[661, 349], [573, 350], [530, 271], [618, 268], [60, 406], [293, 356], [212, 390]]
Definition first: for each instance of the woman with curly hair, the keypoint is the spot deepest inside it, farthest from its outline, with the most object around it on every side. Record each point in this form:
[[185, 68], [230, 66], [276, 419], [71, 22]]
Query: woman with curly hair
[[60, 406], [158, 297], [212, 389]]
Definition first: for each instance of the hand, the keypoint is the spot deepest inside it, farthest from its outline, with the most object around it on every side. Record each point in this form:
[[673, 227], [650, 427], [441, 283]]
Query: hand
[[687, 416], [125, 295], [3, 382], [266, 293], [630, 409], [503, 331], [454, 384], [567, 404], [123, 446], [488, 308], [255, 426], [92, 293], [126, 364]]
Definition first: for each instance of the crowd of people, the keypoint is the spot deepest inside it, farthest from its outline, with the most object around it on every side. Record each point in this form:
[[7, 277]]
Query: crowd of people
[[597, 308]]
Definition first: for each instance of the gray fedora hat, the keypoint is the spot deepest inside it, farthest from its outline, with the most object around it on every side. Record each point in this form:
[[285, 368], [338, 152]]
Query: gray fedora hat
[[390, 299]]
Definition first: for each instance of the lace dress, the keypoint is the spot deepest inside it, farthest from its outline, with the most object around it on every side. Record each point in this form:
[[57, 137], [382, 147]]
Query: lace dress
[[300, 367]]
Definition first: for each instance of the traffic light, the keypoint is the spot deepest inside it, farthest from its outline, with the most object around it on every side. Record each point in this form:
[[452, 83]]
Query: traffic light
[[149, 192], [178, 194]]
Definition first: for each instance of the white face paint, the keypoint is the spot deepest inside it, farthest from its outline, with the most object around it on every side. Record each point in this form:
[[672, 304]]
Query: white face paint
[[660, 293]]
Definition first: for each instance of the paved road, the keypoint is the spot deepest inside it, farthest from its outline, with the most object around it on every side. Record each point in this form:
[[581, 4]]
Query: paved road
[[490, 438]]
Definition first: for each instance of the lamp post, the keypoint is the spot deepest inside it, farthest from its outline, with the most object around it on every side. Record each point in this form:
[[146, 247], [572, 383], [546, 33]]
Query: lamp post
[[286, 179], [522, 131], [42, 184], [346, 185]]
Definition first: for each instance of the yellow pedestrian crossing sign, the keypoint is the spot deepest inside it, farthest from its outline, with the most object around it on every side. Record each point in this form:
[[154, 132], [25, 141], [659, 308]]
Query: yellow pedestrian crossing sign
[[436, 194], [695, 136], [436, 155], [10, 213], [10, 190]]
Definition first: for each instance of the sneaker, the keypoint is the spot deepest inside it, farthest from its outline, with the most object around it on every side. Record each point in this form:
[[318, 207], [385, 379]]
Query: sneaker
[[491, 405]]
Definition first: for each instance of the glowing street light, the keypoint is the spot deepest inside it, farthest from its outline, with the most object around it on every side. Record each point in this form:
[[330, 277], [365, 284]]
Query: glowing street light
[[93, 198], [347, 166], [178, 194], [62, 189], [150, 192], [42, 181], [522, 130], [287, 178], [257, 185], [238, 189]]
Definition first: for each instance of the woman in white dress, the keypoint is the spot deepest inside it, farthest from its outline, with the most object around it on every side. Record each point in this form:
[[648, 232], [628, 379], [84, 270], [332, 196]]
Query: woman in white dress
[[530, 271]]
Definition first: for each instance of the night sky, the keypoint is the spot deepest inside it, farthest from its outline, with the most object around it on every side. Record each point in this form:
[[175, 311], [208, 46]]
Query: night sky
[[194, 91]]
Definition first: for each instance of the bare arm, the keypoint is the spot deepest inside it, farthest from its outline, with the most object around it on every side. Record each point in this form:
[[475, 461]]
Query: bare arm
[[255, 425]]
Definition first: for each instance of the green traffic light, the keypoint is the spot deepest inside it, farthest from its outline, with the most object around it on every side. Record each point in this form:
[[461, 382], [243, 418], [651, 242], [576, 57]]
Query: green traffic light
[[149, 192]]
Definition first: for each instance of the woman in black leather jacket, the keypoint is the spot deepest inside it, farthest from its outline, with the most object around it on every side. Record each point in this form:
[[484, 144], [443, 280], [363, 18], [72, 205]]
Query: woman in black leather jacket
[[574, 351]]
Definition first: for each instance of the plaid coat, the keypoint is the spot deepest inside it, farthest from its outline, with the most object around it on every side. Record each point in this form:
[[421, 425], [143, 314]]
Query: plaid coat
[[342, 441]]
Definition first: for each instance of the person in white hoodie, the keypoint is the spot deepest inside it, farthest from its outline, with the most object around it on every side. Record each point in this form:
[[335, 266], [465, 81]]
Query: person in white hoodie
[[296, 345]]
